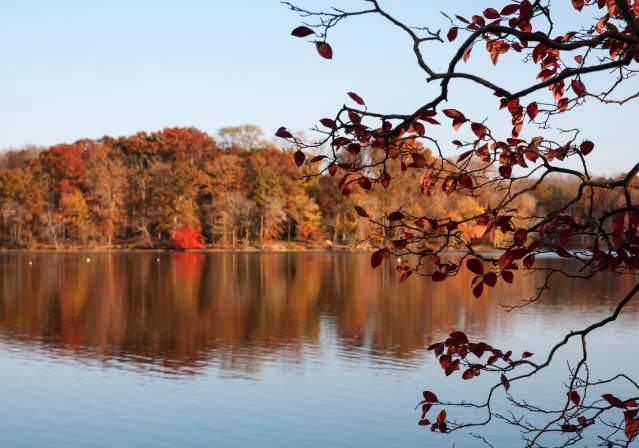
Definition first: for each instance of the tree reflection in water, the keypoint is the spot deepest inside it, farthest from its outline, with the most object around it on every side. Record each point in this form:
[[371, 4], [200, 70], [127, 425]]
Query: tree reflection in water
[[188, 310]]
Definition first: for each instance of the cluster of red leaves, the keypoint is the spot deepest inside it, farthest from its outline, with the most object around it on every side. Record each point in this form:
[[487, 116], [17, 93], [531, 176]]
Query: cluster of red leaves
[[455, 350], [427, 403], [65, 162], [187, 238], [518, 16], [351, 135]]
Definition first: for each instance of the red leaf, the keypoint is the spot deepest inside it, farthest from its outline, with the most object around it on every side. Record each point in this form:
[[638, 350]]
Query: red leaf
[[437, 347], [459, 337], [452, 34], [479, 129], [317, 158], [507, 276], [302, 31], [529, 261], [578, 87], [438, 276], [283, 133], [490, 279], [355, 97], [466, 181], [430, 120], [328, 123], [468, 374], [519, 238], [464, 155], [545, 74], [385, 180], [562, 104], [423, 422], [531, 155], [354, 148], [582, 420], [618, 222], [299, 157], [454, 114], [578, 4], [365, 183], [324, 50], [526, 355], [475, 266], [418, 160], [441, 417], [532, 110], [379, 256], [616, 402], [491, 13], [467, 53], [332, 169], [573, 395], [419, 128], [479, 20], [505, 171], [510, 9], [430, 397], [458, 122], [586, 147], [478, 289], [361, 212], [505, 382]]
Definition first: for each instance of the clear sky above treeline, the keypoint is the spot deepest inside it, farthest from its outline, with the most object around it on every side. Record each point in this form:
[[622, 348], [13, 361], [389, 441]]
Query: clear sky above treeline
[[74, 68]]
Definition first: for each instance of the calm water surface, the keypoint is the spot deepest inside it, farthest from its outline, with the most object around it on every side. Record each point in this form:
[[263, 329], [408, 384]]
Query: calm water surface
[[244, 350]]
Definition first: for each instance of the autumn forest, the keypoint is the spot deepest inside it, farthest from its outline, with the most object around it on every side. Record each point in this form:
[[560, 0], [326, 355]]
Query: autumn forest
[[182, 188]]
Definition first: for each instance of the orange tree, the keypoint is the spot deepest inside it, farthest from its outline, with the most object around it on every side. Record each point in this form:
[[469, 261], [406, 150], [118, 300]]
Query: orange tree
[[358, 146]]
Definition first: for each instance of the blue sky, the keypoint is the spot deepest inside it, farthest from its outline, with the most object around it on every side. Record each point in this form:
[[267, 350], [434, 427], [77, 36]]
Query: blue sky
[[77, 68]]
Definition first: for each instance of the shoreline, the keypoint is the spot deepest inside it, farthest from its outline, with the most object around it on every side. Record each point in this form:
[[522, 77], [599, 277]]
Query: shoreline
[[177, 251], [486, 250]]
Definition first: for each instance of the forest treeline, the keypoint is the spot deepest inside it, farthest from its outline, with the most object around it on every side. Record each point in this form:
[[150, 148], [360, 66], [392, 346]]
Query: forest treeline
[[183, 188]]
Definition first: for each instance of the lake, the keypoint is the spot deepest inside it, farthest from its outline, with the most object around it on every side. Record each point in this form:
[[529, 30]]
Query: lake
[[270, 350]]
